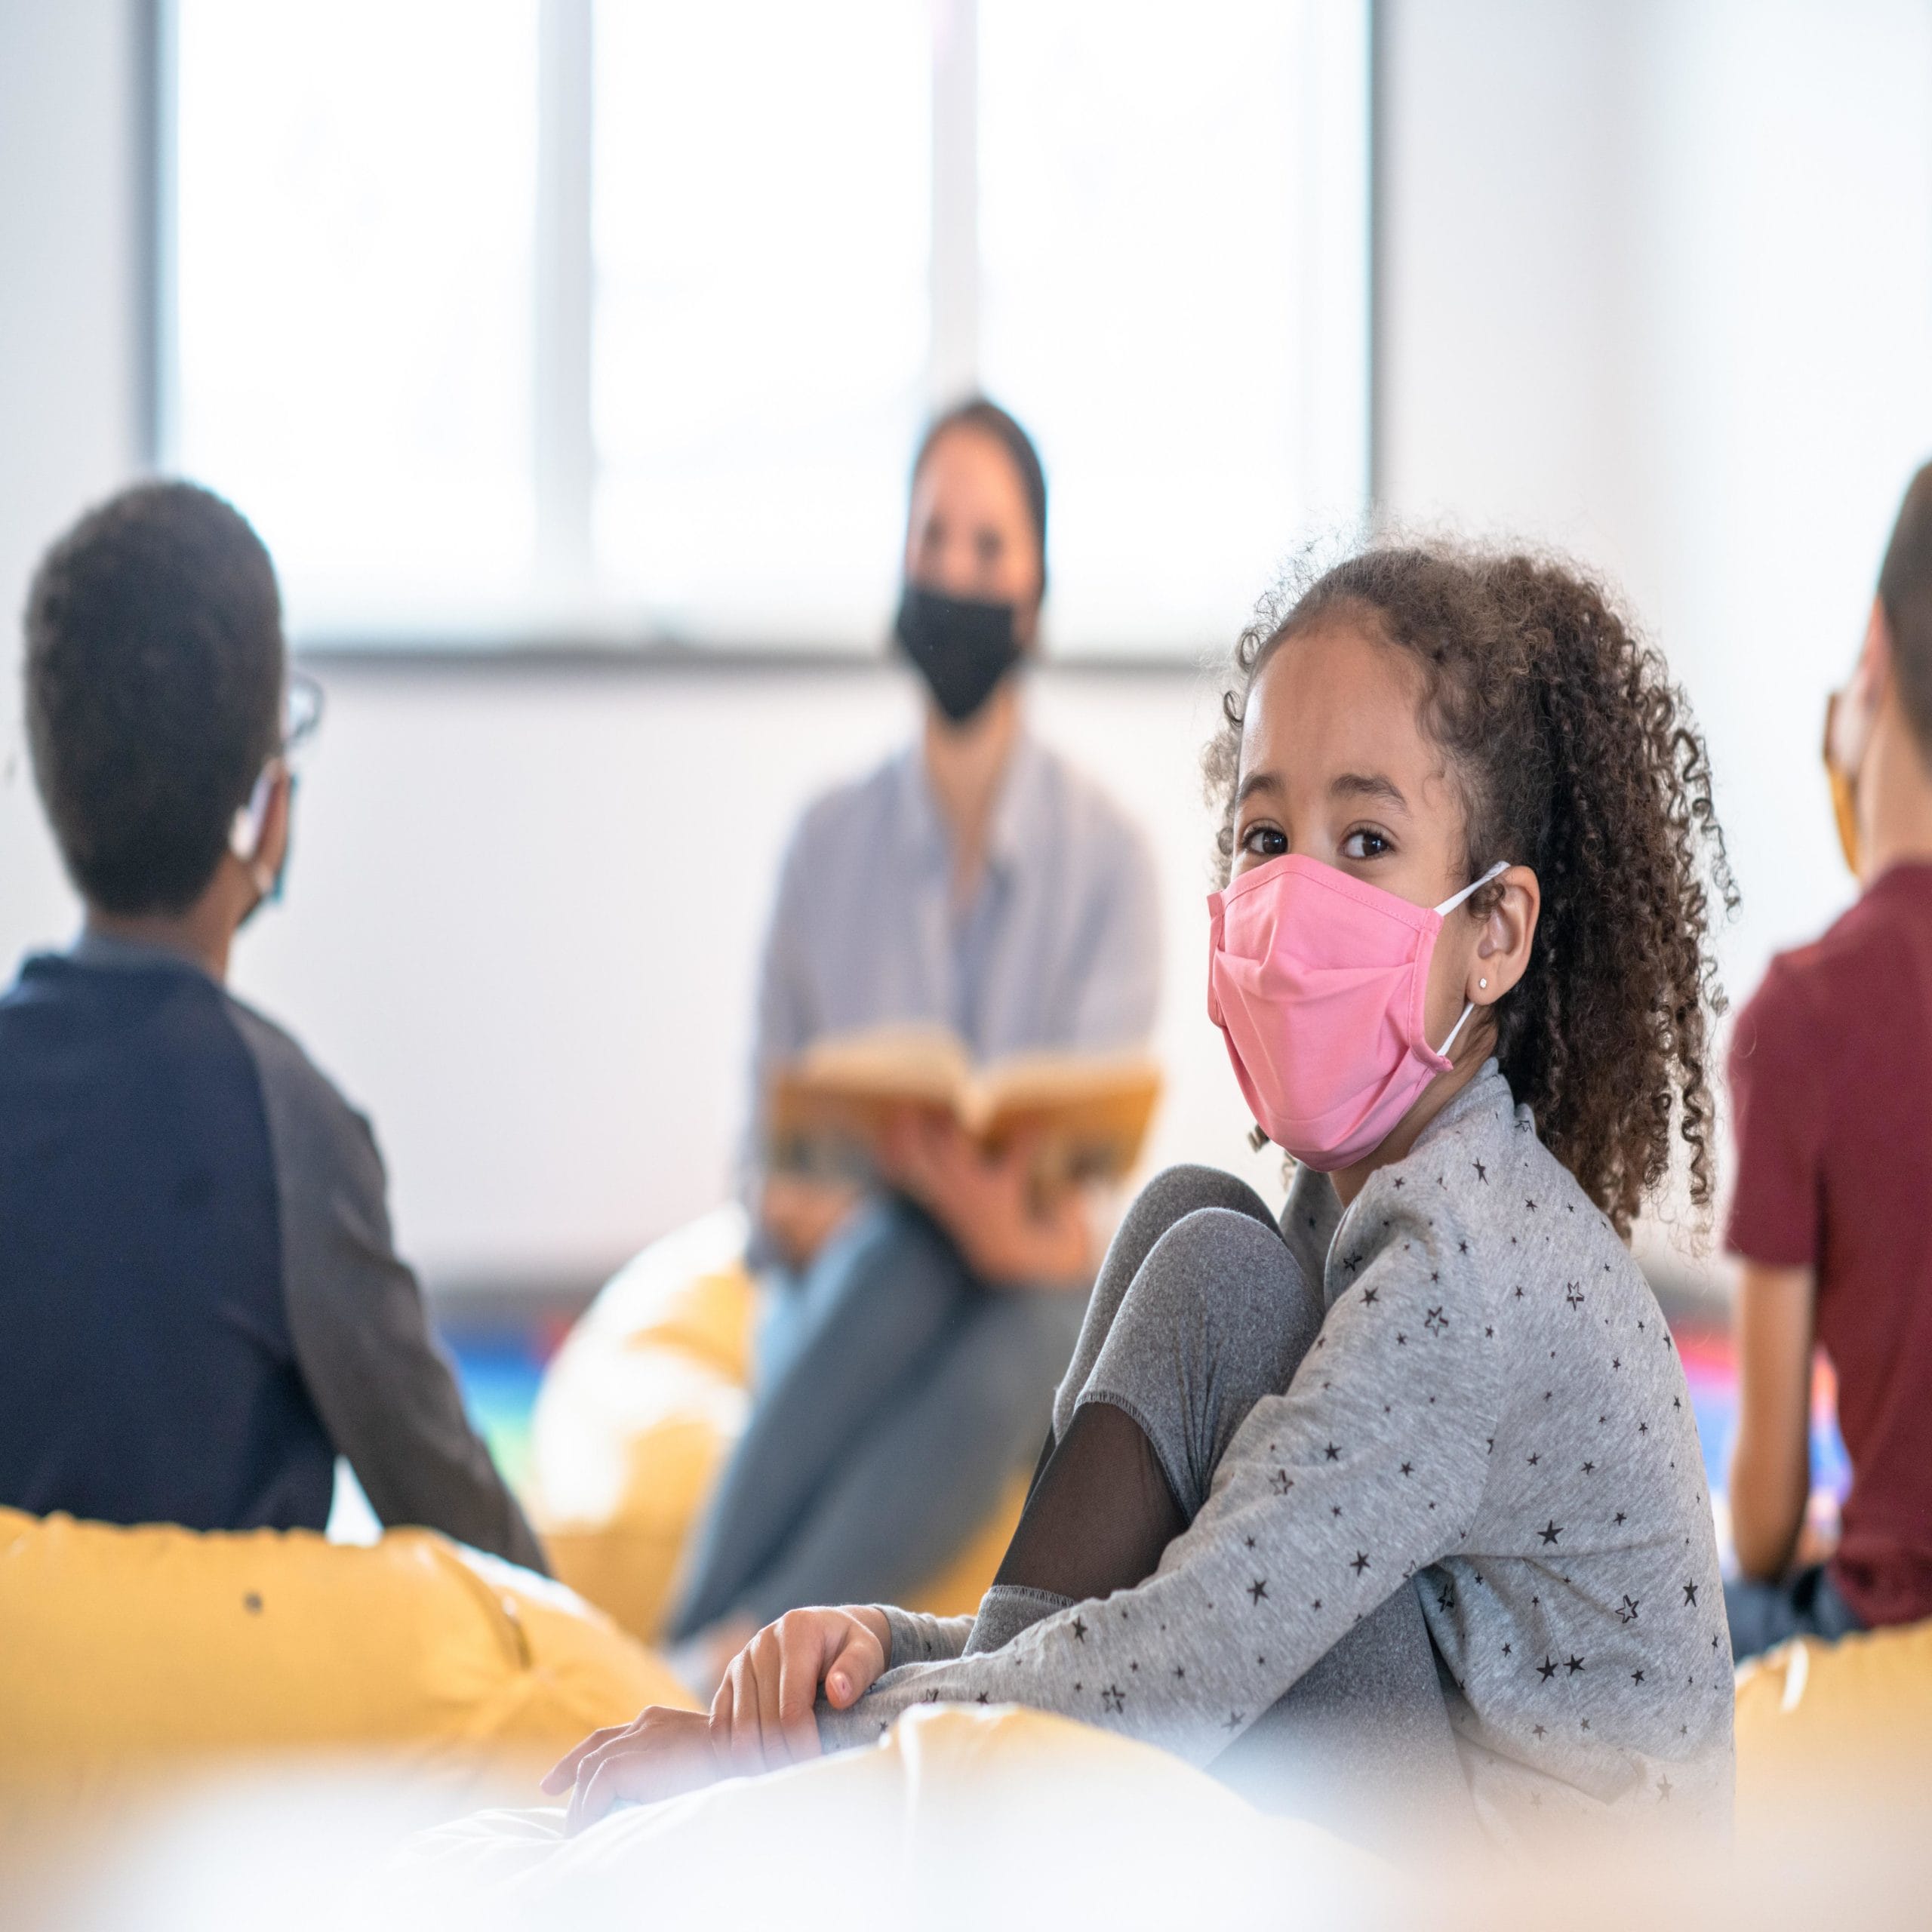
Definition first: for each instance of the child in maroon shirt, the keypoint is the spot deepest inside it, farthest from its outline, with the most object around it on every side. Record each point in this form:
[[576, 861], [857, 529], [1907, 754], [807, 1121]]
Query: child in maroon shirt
[[1831, 1070]]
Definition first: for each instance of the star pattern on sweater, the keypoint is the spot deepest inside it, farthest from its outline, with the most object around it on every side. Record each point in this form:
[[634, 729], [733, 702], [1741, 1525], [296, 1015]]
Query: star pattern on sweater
[[1413, 1276]]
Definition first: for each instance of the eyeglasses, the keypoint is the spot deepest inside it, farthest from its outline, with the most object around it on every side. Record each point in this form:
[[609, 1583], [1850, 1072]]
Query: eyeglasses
[[301, 718]]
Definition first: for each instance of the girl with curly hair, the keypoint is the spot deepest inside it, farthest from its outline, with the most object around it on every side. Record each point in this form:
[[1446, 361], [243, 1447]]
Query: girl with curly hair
[[1396, 1494]]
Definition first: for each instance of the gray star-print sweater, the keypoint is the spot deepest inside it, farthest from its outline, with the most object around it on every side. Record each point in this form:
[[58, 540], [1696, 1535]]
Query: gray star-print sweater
[[1493, 1415]]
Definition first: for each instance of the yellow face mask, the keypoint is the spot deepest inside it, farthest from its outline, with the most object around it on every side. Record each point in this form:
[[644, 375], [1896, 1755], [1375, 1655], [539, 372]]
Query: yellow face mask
[[1844, 796]]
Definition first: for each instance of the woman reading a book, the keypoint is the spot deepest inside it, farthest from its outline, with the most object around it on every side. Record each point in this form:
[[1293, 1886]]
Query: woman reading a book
[[920, 1311]]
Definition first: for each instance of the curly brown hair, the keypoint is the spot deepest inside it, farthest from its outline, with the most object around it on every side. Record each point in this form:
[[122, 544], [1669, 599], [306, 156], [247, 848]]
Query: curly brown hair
[[1574, 753]]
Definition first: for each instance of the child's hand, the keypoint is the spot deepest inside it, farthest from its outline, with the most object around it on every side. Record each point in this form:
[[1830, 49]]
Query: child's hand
[[659, 1753], [761, 1718]]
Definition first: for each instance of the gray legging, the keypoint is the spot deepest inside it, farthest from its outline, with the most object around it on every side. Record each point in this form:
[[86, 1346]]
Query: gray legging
[[897, 1394], [1200, 1310]]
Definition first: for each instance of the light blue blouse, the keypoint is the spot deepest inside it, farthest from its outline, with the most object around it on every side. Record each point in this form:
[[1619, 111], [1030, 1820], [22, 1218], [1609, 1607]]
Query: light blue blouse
[[1060, 947]]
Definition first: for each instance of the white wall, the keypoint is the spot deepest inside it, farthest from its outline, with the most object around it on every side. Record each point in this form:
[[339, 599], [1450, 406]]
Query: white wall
[[555, 885], [1658, 287]]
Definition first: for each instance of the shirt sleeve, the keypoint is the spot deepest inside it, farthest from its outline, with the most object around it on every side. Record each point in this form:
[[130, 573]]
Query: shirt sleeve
[[1780, 1122], [1120, 989], [783, 1023], [918, 1638], [382, 1385], [1330, 1497]]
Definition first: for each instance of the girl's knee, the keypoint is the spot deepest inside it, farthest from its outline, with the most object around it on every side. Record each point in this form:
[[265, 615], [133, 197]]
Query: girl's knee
[[1222, 1255], [1220, 1275], [1187, 1188]]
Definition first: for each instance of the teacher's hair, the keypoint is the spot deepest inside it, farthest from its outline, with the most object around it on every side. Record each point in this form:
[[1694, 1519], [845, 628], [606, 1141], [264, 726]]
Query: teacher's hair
[[989, 420]]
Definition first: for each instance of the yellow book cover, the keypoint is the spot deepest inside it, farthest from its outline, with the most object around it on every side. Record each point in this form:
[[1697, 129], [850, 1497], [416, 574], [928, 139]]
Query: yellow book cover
[[1087, 1113]]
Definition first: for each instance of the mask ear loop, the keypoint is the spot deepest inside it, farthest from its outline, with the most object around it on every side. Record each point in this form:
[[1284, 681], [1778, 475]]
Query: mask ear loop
[[1449, 905], [244, 831], [1476, 885]]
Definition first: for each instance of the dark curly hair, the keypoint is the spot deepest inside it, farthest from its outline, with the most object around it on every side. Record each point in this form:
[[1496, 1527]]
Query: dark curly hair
[[1573, 753], [155, 667]]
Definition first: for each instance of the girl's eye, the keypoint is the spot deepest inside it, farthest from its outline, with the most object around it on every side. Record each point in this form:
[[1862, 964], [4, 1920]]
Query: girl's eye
[[1265, 841], [1364, 843]]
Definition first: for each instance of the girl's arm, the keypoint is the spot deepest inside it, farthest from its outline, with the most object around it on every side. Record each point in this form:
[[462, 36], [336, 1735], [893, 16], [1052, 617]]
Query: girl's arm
[[1330, 1497], [1770, 1467], [918, 1638]]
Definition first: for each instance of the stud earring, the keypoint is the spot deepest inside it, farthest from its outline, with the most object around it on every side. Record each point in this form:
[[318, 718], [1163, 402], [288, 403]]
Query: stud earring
[[1481, 984]]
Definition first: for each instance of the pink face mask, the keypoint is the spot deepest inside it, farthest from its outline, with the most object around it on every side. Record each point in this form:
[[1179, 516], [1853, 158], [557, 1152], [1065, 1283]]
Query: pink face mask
[[1317, 982]]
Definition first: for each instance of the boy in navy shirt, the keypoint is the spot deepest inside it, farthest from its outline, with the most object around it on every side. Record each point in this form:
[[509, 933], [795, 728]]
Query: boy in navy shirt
[[201, 1306]]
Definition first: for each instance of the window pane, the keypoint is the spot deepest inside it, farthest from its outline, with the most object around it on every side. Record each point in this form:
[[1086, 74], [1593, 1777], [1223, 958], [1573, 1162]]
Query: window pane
[[354, 217], [1174, 263], [761, 223]]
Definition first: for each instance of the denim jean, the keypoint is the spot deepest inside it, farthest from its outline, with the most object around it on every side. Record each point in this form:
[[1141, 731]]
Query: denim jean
[[1806, 1605], [896, 1395]]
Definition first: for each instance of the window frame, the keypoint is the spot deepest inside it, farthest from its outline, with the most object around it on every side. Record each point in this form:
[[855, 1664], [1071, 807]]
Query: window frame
[[563, 445]]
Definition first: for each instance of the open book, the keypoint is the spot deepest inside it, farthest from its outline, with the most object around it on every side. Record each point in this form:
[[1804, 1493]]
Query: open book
[[1088, 1113]]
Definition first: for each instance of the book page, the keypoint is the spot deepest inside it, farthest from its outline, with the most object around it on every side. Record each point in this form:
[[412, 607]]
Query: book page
[[915, 1063], [1086, 1114]]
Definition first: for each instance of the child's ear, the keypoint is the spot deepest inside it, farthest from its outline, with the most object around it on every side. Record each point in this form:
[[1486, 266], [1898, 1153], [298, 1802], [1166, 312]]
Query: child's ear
[[1508, 930], [1872, 675]]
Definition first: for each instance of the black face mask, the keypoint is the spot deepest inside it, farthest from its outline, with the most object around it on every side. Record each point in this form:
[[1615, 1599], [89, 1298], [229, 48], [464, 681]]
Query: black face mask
[[962, 648]]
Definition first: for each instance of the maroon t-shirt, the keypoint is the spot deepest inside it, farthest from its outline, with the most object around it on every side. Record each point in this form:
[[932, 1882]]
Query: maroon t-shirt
[[1831, 1071]]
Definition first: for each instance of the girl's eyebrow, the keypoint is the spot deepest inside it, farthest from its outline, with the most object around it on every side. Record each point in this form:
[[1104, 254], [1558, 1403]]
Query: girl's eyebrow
[[1257, 781], [1368, 785]]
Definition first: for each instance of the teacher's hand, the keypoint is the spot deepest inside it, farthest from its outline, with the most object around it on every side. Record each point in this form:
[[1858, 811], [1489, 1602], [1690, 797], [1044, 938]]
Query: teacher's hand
[[800, 1215], [985, 1203]]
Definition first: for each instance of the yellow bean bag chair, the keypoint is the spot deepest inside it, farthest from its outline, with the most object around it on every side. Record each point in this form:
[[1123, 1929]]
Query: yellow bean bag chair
[[638, 1411], [1843, 1724], [128, 1655]]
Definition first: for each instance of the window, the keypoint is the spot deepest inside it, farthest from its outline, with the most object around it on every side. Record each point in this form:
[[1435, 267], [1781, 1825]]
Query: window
[[522, 320], [351, 270]]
